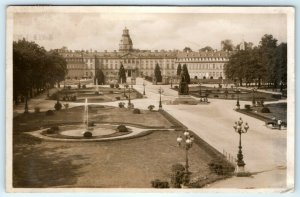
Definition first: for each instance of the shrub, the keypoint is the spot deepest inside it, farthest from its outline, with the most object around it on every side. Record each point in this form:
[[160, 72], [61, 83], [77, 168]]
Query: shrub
[[111, 85], [87, 134], [177, 175], [276, 96], [73, 98], [91, 124], [247, 107], [57, 106], [69, 87], [216, 96], [121, 104], [221, 167], [151, 107], [265, 110], [232, 96], [49, 113], [122, 128], [118, 98], [117, 86], [96, 92], [37, 109], [159, 184], [176, 87], [243, 174], [66, 105], [52, 130], [136, 111], [130, 106], [54, 96], [84, 86], [111, 92]]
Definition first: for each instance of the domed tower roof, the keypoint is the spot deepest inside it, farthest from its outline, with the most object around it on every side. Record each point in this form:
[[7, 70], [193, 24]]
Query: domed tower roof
[[125, 42]]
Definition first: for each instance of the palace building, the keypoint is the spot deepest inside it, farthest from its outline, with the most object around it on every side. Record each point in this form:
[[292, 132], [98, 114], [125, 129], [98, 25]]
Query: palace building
[[83, 64]]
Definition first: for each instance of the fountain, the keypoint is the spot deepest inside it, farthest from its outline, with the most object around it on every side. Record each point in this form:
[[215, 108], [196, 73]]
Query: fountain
[[88, 131]]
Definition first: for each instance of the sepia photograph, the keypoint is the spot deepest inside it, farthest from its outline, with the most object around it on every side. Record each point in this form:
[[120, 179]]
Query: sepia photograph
[[150, 98]]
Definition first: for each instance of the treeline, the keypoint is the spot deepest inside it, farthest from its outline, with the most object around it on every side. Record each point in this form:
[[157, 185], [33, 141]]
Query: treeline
[[35, 69], [265, 64]]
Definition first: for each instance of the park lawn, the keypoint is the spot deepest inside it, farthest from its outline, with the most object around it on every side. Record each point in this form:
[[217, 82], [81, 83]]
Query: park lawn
[[97, 114], [107, 94], [277, 110], [132, 163], [244, 95]]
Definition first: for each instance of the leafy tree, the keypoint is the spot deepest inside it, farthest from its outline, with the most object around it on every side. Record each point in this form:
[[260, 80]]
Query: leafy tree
[[267, 56], [227, 45], [281, 63], [122, 74], [187, 75], [266, 63], [35, 69], [207, 48], [187, 49], [157, 73], [178, 69]]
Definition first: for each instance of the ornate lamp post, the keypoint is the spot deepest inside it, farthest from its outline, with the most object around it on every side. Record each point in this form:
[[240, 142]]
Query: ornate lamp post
[[125, 86], [238, 99], [200, 92], [129, 100], [186, 142], [144, 93], [240, 128], [26, 104], [253, 96], [160, 91]]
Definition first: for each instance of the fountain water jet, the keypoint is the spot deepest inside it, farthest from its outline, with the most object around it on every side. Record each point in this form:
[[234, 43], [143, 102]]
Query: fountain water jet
[[88, 131]]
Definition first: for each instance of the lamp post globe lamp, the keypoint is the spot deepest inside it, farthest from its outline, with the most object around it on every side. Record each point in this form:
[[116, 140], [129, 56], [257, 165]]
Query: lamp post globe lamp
[[240, 128], [238, 99], [160, 91], [186, 142]]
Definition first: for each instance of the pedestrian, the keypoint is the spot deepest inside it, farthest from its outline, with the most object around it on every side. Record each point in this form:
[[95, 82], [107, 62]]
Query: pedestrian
[[279, 122]]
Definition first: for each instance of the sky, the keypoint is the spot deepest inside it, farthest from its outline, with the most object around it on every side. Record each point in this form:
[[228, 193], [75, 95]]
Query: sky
[[152, 31]]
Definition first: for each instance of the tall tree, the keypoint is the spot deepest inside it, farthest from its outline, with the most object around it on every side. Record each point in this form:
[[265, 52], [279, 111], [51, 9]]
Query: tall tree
[[187, 75], [281, 63], [178, 69], [267, 56], [227, 45], [34, 68], [99, 75], [157, 73], [122, 74], [207, 48]]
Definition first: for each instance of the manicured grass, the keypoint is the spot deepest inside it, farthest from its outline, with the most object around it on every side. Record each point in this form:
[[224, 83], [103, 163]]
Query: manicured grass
[[277, 110], [98, 114], [130, 163], [106, 94], [244, 95]]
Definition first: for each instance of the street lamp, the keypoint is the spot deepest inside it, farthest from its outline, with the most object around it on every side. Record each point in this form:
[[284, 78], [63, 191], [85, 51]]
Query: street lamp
[[253, 96], [160, 91], [238, 99], [129, 101], [125, 86], [240, 128], [144, 93], [200, 92], [186, 142]]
